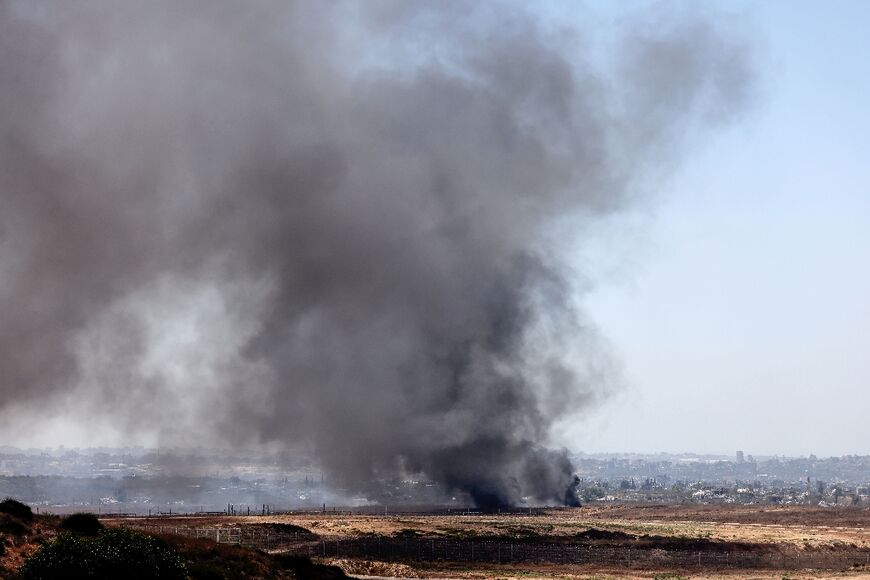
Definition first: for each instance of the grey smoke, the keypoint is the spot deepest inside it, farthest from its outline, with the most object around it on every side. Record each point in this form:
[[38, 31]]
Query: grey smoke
[[355, 211]]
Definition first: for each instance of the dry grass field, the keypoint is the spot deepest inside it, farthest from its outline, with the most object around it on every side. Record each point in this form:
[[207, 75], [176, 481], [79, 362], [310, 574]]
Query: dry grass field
[[789, 533], [798, 524]]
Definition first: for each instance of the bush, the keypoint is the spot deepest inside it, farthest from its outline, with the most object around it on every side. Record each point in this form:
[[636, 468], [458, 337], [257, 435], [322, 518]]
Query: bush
[[82, 523], [114, 553], [12, 526], [16, 509]]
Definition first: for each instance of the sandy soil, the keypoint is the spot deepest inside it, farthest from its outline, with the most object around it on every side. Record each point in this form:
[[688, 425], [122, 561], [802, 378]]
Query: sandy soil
[[802, 526]]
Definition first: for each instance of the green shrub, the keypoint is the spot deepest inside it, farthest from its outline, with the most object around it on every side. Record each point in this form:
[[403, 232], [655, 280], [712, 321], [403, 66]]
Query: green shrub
[[114, 553], [16, 509], [82, 523]]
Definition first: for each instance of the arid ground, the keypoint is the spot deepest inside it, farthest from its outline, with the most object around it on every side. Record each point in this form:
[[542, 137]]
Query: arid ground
[[612, 541]]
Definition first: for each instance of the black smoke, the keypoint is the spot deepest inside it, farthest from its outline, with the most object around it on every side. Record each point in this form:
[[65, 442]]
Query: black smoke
[[341, 224]]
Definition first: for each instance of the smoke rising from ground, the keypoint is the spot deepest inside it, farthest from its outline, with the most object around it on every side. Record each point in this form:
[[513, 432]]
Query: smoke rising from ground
[[334, 223]]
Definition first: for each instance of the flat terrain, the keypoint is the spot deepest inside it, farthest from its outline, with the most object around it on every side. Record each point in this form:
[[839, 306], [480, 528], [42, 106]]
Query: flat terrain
[[612, 541], [800, 525]]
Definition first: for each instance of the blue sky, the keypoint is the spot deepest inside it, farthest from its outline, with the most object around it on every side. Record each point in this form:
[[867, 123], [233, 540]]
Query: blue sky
[[739, 302]]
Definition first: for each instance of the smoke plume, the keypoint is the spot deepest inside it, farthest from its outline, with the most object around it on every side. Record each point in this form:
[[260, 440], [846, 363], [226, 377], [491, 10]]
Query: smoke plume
[[341, 224]]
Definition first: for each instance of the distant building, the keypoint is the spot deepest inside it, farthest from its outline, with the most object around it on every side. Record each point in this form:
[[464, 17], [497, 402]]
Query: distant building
[[739, 457]]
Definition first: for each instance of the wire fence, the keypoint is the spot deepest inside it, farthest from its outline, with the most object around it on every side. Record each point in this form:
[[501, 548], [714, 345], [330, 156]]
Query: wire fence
[[410, 549], [257, 537]]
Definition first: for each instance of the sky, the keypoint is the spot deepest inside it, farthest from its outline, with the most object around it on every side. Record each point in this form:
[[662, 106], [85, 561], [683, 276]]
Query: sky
[[739, 302], [736, 297]]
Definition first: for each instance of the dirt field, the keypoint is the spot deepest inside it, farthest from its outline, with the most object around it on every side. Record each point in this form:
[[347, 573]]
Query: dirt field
[[795, 534], [799, 525]]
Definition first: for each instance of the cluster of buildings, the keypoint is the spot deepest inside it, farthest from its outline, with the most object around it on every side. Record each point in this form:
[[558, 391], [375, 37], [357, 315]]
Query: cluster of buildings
[[740, 479], [138, 480]]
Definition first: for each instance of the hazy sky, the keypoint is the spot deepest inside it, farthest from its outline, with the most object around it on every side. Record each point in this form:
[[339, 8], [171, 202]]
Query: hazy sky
[[737, 297], [739, 303]]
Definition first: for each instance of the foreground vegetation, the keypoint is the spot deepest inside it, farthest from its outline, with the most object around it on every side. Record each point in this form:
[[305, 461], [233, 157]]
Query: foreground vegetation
[[116, 553], [41, 547]]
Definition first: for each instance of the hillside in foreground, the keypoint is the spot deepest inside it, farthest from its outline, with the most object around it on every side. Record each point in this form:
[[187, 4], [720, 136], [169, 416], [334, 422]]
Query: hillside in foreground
[[48, 546]]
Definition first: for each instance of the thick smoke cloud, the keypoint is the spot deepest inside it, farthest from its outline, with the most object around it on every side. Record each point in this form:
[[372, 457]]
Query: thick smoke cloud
[[337, 224]]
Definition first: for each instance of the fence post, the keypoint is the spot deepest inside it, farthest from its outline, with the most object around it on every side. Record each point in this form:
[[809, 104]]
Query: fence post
[[699, 559]]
